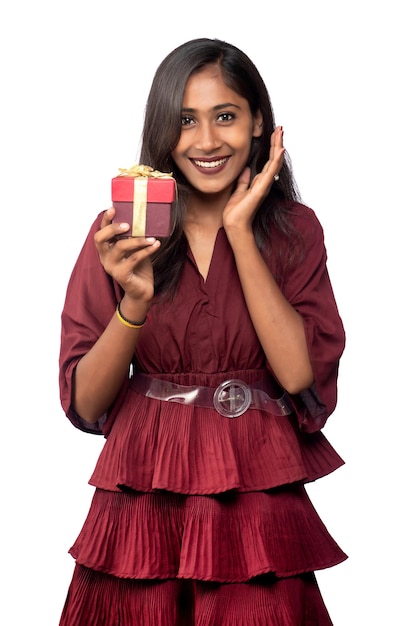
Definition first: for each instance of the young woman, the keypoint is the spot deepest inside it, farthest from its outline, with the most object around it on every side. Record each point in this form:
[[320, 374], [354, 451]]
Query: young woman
[[209, 362]]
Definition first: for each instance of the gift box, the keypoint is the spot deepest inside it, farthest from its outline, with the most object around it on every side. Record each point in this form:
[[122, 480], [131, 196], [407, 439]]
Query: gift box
[[143, 198]]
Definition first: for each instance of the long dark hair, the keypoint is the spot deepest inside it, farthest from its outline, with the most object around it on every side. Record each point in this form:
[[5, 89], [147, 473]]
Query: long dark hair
[[161, 133]]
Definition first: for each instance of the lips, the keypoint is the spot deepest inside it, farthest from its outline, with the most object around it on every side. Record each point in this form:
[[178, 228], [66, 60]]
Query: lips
[[210, 165]]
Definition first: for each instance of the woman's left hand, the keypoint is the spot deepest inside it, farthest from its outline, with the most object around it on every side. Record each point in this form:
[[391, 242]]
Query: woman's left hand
[[244, 202]]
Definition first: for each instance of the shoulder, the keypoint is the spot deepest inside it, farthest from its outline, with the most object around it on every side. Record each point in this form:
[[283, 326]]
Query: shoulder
[[304, 218], [302, 224]]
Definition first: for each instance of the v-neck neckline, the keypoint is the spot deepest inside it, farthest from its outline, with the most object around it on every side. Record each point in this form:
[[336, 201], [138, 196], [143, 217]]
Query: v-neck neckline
[[211, 261]]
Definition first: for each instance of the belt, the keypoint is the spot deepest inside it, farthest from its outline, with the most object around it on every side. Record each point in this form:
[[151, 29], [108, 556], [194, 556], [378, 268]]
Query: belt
[[231, 398]]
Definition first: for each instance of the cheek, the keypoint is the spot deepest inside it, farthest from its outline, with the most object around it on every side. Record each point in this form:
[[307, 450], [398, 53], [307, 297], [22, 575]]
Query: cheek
[[179, 150], [175, 155], [244, 147], [243, 139], [181, 162]]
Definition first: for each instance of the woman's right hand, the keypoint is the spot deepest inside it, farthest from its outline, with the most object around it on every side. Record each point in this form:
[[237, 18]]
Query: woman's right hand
[[127, 260]]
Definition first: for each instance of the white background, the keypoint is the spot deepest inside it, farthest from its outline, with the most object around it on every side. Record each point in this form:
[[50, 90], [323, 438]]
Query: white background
[[342, 78]]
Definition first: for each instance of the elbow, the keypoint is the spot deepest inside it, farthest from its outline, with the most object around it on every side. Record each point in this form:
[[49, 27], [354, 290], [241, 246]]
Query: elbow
[[294, 390], [88, 416], [89, 411], [91, 419], [89, 426], [295, 384]]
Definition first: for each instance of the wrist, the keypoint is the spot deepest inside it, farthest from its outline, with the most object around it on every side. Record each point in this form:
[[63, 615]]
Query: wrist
[[240, 235], [131, 314]]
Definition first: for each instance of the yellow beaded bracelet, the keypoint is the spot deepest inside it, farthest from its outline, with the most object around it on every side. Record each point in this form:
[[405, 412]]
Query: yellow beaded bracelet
[[127, 322]]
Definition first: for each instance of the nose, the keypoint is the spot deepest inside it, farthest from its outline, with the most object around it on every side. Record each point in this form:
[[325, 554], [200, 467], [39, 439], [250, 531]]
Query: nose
[[207, 138]]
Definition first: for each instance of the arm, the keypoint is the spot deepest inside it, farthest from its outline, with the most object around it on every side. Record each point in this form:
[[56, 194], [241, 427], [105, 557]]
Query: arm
[[278, 325], [295, 316], [96, 348], [307, 289], [100, 373]]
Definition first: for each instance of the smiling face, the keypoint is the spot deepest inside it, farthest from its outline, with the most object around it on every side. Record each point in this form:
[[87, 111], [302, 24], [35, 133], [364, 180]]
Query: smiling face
[[216, 135]]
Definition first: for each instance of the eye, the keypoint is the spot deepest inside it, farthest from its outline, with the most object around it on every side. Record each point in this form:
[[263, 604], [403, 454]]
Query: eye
[[186, 120], [226, 117]]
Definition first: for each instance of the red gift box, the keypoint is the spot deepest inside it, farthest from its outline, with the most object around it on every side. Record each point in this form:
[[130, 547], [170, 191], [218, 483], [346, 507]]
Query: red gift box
[[143, 198]]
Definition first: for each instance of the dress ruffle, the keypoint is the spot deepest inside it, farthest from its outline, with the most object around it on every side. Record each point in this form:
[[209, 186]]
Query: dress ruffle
[[229, 538], [96, 599], [155, 445]]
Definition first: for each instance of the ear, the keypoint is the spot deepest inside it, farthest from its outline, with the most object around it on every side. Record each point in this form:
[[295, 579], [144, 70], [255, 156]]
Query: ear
[[257, 124]]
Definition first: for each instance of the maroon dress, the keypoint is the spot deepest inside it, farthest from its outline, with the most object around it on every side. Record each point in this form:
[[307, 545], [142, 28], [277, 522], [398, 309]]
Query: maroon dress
[[198, 519]]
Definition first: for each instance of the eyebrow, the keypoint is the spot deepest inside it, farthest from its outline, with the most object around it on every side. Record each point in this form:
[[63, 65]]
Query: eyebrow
[[218, 107]]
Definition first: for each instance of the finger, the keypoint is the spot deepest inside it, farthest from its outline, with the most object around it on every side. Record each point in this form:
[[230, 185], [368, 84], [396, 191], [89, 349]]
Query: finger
[[133, 262], [107, 217], [276, 155], [278, 136], [243, 180], [109, 231], [137, 255], [277, 149], [135, 244], [107, 220], [122, 257]]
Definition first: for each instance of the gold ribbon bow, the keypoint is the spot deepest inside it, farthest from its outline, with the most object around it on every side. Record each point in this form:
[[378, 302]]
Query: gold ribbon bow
[[143, 171]]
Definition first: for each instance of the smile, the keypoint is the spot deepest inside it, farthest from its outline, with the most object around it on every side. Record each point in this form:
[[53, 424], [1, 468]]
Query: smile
[[210, 164]]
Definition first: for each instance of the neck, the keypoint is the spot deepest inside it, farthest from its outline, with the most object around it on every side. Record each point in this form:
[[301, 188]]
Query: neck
[[206, 210]]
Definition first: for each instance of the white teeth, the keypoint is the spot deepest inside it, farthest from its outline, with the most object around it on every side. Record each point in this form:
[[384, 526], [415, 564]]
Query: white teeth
[[210, 164]]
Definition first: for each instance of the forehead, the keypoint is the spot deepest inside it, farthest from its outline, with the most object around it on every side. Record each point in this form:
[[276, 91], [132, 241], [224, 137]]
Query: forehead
[[206, 88]]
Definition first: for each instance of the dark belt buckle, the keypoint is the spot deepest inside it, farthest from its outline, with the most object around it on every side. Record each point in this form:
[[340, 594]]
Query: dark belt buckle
[[232, 398]]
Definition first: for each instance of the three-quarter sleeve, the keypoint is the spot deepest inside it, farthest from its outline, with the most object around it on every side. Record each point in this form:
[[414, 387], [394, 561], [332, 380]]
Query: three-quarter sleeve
[[89, 304], [308, 288]]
